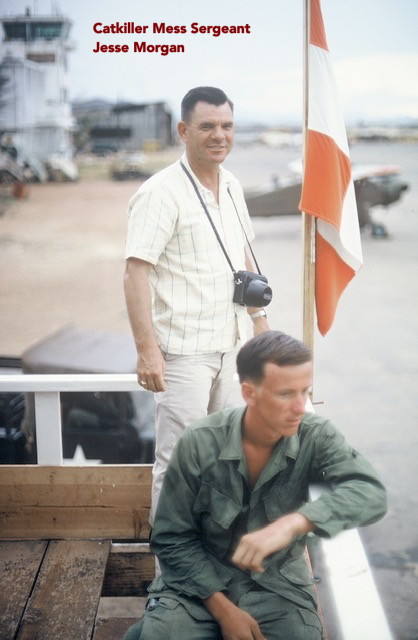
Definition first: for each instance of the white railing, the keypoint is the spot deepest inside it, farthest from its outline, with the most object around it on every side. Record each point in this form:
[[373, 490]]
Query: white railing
[[357, 604], [47, 389]]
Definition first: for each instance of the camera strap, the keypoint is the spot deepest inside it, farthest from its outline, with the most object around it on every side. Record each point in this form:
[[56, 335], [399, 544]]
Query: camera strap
[[245, 233], [205, 209]]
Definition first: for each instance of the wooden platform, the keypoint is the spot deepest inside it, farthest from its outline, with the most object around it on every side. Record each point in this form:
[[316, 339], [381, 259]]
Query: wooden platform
[[73, 548], [75, 562]]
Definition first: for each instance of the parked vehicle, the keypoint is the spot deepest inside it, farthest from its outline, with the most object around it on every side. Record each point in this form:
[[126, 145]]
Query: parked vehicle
[[111, 427], [12, 437], [374, 185]]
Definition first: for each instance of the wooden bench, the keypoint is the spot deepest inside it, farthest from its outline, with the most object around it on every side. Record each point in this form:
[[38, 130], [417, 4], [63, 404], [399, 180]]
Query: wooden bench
[[75, 562], [73, 550]]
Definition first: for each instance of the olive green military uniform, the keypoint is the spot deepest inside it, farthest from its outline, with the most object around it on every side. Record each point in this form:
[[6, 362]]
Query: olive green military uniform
[[206, 506]]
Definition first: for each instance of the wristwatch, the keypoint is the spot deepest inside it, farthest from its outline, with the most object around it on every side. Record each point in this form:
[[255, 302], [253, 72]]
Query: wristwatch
[[261, 313]]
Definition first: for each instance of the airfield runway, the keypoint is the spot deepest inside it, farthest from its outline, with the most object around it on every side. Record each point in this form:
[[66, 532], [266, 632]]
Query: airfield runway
[[61, 257]]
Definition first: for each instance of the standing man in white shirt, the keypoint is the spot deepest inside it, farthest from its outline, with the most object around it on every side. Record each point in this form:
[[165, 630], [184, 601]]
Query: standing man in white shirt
[[179, 282]]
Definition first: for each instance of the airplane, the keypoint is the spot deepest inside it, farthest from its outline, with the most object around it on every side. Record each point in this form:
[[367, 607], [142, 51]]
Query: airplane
[[374, 185]]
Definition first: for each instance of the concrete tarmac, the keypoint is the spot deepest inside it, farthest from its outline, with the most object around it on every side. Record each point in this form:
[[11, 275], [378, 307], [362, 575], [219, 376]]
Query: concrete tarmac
[[366, 371], [61, 256]]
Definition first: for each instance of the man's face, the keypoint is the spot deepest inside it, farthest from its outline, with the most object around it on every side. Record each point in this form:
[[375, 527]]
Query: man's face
[[208, 134], [276, 405]]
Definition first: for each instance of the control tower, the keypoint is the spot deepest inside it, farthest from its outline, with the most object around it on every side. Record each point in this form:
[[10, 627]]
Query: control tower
[[34, 103]]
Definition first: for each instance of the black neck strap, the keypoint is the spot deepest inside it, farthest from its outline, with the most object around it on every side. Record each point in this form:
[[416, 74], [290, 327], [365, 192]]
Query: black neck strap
[[205, 209]]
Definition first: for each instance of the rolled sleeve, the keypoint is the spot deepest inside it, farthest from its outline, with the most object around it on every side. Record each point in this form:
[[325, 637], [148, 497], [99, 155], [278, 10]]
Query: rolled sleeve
[[151, 224], [353, 495]]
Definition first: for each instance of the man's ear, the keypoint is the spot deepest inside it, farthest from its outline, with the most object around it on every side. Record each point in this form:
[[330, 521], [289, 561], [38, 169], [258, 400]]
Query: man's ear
[[248, 392], [182, 130]]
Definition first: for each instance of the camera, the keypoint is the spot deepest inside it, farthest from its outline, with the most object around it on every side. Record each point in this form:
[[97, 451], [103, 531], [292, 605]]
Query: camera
[[251, 289]]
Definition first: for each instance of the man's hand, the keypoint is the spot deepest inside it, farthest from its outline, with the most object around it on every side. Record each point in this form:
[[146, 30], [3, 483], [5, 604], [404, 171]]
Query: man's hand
[[235, 623], [239, 625], [254, 547], [150, 369]]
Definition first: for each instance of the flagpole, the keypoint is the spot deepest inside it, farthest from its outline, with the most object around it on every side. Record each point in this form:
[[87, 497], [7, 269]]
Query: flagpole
[[308, 221]]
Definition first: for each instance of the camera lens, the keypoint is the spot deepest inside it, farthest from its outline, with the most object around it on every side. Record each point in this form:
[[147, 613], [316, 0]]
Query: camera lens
[[258, 294]]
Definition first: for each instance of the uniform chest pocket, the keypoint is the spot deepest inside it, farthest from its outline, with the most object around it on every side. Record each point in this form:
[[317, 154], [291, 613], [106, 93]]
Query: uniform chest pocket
[[215, 505], [285, 499]]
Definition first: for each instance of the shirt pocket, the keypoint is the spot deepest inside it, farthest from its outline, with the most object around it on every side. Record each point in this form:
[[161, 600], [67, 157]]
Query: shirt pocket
[[285, 499], [297, 572], [217, 512], [193, 241]]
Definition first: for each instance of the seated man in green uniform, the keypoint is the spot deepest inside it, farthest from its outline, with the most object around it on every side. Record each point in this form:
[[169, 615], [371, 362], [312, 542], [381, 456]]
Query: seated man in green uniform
[[231, 524]]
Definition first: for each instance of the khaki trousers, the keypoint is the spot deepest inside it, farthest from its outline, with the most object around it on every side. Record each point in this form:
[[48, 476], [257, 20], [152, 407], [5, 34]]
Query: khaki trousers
[[196, 386]]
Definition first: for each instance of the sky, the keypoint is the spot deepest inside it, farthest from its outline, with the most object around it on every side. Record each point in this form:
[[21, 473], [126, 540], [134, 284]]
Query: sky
[[373, 46]]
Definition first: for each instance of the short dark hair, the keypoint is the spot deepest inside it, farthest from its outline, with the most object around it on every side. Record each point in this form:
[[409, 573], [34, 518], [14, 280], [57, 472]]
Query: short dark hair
[[212, 95], [271, 346]]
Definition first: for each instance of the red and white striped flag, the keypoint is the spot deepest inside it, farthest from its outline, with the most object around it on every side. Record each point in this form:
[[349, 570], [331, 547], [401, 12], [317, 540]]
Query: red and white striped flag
[[327, 189]]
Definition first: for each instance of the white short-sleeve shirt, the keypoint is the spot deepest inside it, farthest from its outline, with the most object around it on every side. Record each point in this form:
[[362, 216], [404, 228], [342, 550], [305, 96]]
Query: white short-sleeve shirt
[[192, 283]]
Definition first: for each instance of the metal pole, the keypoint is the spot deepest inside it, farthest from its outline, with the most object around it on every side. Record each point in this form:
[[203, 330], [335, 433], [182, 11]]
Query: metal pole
[[308, 221]]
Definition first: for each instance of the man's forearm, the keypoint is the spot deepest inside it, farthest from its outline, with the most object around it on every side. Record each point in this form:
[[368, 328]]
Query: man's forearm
[[260, 323], [218, 605], [139, 302], [254, 547], [235, 623]]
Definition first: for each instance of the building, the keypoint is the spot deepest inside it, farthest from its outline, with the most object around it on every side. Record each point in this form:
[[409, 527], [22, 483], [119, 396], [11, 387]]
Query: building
[[35, 109], [126, 126]]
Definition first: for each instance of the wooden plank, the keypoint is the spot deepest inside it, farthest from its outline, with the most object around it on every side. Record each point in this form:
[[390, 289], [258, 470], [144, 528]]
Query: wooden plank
[[129, 573], [116, 615], [64, 601], [99, 485], [113, 628], [75, 502], [19, 566], [73, 523]]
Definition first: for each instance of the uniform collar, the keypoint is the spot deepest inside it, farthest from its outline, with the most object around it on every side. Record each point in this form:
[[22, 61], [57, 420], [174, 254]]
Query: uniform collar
[[232, 449], [290, 446], [287, 448]]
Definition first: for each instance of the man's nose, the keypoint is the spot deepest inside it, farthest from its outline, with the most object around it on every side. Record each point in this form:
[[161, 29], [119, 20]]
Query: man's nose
[[299, 404], [218, 133]]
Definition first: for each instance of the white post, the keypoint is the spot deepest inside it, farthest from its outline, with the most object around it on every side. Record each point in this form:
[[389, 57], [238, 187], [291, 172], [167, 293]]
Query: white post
[[308, 221], [48, 427]]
